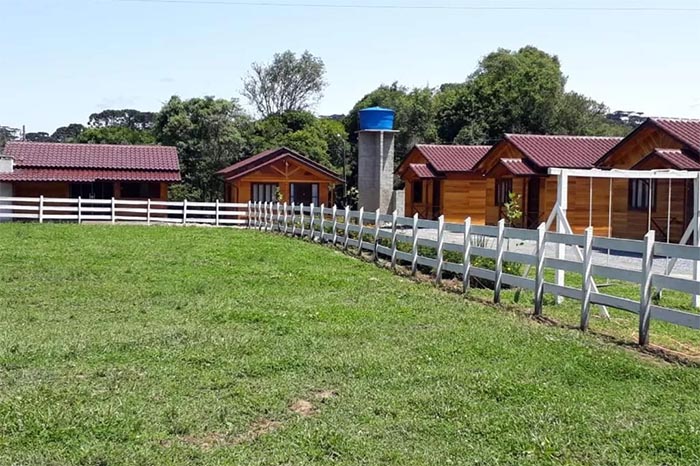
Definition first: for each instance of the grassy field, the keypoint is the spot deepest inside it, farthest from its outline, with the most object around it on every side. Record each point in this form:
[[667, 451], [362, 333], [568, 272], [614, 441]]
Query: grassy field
[[168, 345]]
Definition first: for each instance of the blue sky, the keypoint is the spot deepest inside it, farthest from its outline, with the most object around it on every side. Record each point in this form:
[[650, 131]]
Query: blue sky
[[62, 60]]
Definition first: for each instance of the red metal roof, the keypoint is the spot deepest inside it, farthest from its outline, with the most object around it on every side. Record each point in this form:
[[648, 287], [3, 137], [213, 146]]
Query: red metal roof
[[517, 167], [254, 162], [447, 158], [96, 156], [674, 157], [421, 170], [79, 175], [549, 151], [686, 130]]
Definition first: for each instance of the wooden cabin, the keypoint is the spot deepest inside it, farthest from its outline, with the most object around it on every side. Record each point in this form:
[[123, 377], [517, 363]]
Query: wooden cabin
[[91, 171], [440, 180], [658, 143], [282, 175], [519, 164]]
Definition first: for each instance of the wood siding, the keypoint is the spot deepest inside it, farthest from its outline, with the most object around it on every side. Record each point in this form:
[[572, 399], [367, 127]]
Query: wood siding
[[639, 145], [283, 173]]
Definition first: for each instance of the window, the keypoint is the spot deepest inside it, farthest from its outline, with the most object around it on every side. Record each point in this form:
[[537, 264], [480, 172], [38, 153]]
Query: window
[[638, 195], [504, 187], [304, 193], [264, 192], [95, 190], [140, 190], [418, 191]]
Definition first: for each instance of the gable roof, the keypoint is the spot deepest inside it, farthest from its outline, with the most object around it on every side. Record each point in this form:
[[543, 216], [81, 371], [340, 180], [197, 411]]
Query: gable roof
[[255, 162], [98, 156], [676, 158], [421, 170], [559, 151], [517, 167], [684, 130], [452, 158], [50, 161]]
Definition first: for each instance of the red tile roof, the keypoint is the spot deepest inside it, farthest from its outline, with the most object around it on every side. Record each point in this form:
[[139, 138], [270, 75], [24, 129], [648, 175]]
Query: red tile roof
[[517, 167], [99, 156], [686, 130], [78, 175], [421, 170], [549, 151], [447, 158], [254, 162], [674, 157]]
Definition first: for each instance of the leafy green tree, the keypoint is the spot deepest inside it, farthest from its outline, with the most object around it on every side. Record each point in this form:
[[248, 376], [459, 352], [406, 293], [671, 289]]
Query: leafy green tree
[[115, 135], [126, 118], [68, 133], [287, 84], [209, 135], [7, 133], [38, 137], [578, 114], [322, 140]]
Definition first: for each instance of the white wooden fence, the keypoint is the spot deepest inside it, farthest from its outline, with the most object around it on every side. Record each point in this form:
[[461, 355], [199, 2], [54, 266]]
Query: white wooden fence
[[382, 236], [120, 210]]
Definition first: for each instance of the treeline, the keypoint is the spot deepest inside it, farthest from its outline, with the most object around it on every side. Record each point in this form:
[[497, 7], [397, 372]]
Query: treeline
[[520, 91]]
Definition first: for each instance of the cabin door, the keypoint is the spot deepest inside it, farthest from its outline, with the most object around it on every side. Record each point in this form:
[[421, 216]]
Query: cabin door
[[532, 204], [437, 195]]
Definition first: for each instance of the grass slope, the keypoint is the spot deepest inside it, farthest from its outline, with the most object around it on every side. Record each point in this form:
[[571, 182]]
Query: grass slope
[[157, 345]]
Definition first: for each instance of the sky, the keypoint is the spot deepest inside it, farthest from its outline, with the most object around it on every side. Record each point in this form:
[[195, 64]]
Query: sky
[[62, 60]]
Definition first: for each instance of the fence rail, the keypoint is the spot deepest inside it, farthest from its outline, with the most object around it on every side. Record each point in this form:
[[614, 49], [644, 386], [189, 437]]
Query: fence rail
[[399, 240], [122, 210], [384, 235]]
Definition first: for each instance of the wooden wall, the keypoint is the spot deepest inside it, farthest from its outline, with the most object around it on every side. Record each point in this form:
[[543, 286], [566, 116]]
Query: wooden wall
[[284, 173], [462, 197], [640, 144], [41, 189]]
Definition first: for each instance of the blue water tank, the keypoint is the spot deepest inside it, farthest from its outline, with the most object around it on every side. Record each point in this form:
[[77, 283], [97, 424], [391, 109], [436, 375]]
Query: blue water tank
[[377, 118]]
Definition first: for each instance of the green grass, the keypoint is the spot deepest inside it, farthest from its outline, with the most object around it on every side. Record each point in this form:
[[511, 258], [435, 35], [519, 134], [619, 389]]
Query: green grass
[[168, 345]]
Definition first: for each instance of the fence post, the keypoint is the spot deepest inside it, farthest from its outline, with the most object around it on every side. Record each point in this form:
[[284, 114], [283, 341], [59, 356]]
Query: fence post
[[586, 277], [311, 222], [301, 216], [645, 288], [80, 210], [321, 223], [260, 215], [466, 257], [284, 217], [148, 212], [440, 248], [334, 212], [250, 214], [394, 218], [498, 279], [216, 214], [414, 247], [376, 235], [361, 225], [279, 217], [266, 219], [184, 212], [346, 230], [539, 269], [114, 211]]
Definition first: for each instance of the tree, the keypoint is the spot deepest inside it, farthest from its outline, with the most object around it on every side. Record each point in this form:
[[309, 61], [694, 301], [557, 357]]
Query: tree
[[580, 115], [115, 135], [208, 134], [287, 84], [68, 133], [7, 133], [38, 137], [126, 118]]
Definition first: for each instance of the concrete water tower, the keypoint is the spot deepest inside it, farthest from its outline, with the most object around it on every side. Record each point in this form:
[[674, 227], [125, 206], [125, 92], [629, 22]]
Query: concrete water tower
[[375, 164]]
